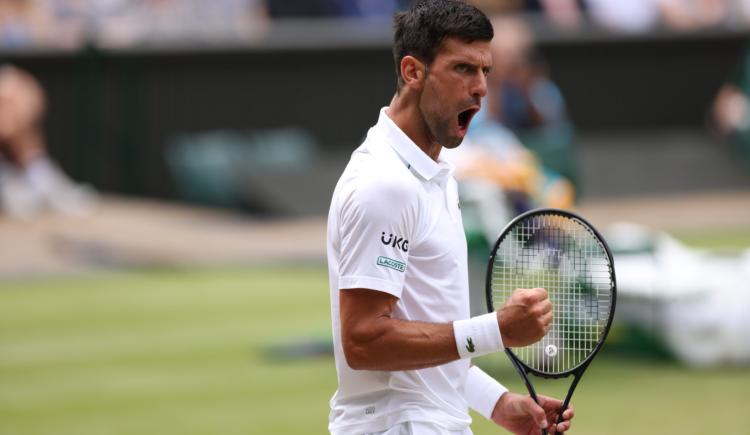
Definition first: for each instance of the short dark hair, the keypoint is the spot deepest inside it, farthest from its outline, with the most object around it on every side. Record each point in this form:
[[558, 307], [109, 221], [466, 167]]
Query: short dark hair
[[420, 31]]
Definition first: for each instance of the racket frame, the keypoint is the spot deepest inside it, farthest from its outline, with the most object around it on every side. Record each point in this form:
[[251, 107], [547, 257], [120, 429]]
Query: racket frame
[[519, 365]]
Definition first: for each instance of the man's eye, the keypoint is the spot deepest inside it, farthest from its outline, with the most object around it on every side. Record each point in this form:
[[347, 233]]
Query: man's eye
[[462, 67]]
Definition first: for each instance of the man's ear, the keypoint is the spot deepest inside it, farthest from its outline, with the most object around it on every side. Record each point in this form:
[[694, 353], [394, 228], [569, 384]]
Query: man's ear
[[413, 71]]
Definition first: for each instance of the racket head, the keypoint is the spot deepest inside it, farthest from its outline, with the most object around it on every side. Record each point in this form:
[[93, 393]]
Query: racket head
[[561, 252]]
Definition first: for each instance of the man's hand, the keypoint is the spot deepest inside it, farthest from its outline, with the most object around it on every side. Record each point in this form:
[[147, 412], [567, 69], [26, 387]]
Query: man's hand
[[522, 416], [525, 317]]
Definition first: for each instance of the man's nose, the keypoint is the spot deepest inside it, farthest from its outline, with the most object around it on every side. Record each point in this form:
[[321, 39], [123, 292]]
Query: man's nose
[[479, 89]]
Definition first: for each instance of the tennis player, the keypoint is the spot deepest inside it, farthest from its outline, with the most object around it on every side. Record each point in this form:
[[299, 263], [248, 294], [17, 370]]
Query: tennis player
[[397, 257]]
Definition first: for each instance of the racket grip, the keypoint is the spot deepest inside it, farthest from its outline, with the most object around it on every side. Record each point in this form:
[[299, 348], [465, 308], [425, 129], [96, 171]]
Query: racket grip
[[544, 431], [560, 417]]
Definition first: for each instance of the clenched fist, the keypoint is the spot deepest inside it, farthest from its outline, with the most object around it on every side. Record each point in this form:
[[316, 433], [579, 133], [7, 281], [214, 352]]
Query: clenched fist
[[525, 317]]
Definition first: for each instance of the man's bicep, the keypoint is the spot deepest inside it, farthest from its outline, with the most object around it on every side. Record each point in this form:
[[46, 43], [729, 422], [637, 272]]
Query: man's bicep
[[365, 316]]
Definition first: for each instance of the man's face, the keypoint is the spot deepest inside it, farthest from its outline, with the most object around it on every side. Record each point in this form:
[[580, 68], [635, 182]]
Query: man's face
[[454, 86], [21, 105]]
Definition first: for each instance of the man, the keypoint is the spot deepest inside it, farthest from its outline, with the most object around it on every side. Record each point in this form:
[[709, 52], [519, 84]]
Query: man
[[397, 253], [30, 181]]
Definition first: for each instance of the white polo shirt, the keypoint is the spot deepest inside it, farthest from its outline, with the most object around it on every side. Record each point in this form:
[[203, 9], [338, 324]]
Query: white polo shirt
[[395, 226]]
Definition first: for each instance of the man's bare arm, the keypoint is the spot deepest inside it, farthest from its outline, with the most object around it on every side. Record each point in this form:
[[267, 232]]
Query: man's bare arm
[[373, 340]]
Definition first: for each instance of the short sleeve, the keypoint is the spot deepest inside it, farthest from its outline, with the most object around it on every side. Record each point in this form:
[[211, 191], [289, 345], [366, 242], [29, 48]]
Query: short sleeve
[[377, 228]]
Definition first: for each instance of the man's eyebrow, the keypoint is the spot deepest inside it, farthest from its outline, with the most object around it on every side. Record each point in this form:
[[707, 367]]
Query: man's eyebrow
[[471, 63]]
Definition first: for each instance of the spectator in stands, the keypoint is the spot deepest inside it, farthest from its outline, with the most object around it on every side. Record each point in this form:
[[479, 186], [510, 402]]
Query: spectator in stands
[[694, 15], [335, 8], [525, 100], [563, 13], [124, 23], [30, 23], [22, 23], [730, 112], [632, 16], [637, 16], [522, 96], [30, 182]]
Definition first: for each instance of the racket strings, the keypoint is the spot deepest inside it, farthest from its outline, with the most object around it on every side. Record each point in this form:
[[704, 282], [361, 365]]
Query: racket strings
[[565, 257]]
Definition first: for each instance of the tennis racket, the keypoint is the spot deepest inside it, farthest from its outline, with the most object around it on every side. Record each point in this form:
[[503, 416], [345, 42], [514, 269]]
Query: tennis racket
[[562, 253]]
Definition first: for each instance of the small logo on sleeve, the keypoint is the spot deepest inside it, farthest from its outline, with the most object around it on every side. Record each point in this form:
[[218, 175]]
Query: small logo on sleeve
[[391, 263], [470, 345], [395, 241]]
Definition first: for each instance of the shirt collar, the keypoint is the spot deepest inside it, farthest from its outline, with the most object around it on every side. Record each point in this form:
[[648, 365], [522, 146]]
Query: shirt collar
[[409, 152]]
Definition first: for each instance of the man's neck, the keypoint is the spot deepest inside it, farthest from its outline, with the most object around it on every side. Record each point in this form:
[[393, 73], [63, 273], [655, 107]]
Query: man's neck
[[404, 112]]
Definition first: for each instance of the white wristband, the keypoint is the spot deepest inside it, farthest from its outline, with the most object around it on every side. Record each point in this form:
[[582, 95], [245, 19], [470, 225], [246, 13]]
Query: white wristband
[[477, 336], [482, 391]]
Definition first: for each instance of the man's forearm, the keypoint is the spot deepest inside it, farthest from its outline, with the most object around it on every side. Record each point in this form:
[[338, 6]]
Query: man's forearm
[[390, 344]]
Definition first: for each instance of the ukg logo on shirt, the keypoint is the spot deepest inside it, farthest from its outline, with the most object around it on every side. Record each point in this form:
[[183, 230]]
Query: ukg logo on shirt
[[395, 241]]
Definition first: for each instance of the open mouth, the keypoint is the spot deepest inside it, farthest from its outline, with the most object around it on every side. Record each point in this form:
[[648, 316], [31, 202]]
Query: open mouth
[[464, 118]]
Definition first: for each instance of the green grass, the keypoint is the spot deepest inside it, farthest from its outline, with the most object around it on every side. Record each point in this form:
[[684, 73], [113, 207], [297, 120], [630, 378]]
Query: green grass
[[178, 352], [625, 395], [163, 353], [724, 239]]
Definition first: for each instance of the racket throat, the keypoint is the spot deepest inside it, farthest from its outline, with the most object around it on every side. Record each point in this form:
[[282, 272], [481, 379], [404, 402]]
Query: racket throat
[[576, 377], [524, 375]]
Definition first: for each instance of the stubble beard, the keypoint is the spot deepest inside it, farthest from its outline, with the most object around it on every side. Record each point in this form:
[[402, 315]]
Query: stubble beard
[[439, 130], [442, 134], [454, 144]]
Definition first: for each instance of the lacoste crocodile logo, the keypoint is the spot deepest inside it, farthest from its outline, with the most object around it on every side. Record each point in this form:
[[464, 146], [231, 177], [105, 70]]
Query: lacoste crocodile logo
[[470, 345]]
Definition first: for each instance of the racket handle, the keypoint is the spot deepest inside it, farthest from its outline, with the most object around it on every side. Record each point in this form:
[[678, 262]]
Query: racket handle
[[560, 417], [544, 431]]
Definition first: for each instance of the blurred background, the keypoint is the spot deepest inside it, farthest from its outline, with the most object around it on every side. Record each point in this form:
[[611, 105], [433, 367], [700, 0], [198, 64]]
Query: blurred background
[[166, 167]]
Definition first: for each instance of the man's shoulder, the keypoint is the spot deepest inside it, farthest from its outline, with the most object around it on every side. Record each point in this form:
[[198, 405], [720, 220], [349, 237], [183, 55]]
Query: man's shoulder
[[376, 165], [381, 185], [371, 184]]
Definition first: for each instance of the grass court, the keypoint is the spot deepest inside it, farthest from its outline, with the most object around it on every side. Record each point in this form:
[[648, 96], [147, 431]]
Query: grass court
[[202, 352]]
